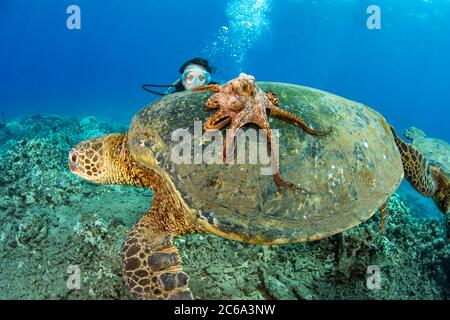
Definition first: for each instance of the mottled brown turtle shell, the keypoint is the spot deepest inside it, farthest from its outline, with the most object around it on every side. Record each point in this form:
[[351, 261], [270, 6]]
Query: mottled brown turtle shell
[[349, 173]]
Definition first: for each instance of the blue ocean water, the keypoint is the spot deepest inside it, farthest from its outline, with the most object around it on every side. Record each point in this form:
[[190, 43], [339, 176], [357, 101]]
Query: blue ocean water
[[52, 221], [401, 70]]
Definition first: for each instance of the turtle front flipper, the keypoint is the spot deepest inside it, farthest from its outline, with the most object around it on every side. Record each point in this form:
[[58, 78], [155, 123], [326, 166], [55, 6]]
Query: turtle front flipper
[[424, 177], [152, 265]]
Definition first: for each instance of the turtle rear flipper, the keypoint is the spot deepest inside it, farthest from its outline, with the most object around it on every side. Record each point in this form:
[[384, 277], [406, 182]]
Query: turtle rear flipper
[[424, 177], [152, 265]]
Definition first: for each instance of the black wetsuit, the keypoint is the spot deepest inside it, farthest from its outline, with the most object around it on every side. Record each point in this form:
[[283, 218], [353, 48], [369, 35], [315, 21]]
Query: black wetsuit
[[179, 87]]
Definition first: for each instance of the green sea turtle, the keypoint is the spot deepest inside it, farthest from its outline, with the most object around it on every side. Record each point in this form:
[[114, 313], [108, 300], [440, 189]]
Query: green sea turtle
[[335, 179], [437, 151]]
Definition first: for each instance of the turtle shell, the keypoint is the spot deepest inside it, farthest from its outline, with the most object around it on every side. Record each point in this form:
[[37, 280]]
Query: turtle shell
[[348, 174]]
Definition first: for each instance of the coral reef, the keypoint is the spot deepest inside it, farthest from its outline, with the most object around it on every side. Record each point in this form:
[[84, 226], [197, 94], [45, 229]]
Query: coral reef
[[50, 220], [413, 257]]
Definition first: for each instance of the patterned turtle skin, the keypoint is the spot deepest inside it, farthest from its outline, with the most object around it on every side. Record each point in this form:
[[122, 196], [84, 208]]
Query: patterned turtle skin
[[437, 151], [339, 177]]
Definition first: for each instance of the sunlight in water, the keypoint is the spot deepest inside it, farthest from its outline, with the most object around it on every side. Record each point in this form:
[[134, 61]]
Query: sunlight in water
[[248, 21]]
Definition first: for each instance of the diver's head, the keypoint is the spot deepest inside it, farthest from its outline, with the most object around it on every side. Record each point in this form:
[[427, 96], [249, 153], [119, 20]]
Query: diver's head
[[195, 72], [195, 75]]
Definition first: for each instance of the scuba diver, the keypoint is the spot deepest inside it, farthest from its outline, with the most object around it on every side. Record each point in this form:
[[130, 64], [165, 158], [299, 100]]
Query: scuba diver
[[194, 72]]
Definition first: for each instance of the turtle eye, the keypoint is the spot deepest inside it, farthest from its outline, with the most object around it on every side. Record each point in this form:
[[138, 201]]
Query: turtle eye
[[74, 156]]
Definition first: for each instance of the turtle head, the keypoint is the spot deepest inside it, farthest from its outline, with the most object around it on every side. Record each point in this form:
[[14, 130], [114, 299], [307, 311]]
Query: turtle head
[[93, 160], [441, 196]]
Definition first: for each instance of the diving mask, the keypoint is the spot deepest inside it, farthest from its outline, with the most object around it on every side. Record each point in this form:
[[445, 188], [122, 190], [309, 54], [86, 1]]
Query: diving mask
[[195, 76]]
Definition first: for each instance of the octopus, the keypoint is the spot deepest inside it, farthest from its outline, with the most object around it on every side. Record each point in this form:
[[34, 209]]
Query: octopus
[[240, 102]]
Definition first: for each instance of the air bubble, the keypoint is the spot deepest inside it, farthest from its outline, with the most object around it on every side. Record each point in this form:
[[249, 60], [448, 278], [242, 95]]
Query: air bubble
[[248, 21]]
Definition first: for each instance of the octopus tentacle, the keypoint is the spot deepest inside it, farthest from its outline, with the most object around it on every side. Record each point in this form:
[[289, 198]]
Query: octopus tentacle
[[229, 145], [219, 120], [209, 87], [280, 182], [272, 96], [296, 121]]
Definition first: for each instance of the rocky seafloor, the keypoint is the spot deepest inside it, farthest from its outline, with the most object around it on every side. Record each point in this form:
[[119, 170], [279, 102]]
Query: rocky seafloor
[[51, 220]]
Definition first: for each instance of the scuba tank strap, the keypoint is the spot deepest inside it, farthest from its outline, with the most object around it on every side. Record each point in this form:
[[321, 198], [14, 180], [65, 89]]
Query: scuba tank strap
[[172, 85], [147, 87]]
